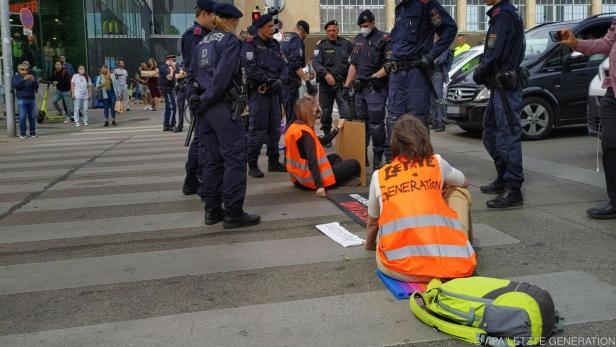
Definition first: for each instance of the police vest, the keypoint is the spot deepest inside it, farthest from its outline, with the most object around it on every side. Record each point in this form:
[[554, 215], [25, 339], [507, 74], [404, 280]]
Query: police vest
[[298, 167], [418, 233]]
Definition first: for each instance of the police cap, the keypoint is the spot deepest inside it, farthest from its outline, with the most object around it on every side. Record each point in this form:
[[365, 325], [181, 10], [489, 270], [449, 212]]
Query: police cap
[[365, 16], [331, 22], [304, 25], [207, 5], [225, 10], [264, 19]]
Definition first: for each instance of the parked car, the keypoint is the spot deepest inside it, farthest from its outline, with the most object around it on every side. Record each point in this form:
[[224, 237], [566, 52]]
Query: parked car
[[465, 61], [595, 93], [557, 88]]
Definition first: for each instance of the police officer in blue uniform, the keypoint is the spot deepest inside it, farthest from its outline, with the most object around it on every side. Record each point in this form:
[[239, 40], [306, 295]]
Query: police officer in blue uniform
[[414, 52], [219, 105], [293, 48], [265, 70], [368, 78], [500, 71], [331, 63], [204, 16]]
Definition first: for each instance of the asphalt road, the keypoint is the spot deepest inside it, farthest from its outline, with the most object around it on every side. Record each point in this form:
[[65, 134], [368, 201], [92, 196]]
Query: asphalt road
[[98, 247]]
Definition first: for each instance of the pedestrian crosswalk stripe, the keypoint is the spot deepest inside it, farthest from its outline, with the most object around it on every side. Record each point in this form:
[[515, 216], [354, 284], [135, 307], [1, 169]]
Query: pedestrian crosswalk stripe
[[33, 173], [30, 164], [145, 223], [115, 181], [22, 187], [36, 155], [172, 263], [66, 141], [364, 319], [99, 130], [89, 145]]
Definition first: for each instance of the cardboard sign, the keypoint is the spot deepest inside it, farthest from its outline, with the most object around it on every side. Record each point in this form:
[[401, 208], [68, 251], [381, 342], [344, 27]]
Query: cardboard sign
[[351, 144]]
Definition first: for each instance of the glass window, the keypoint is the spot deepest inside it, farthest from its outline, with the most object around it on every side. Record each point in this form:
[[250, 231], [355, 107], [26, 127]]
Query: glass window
[[347, 11], [450, 6], [608, 6], [476, 19], [561, 10]]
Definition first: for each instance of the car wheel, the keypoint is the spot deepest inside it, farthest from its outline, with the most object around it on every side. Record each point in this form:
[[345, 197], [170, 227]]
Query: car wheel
[[537, 118]]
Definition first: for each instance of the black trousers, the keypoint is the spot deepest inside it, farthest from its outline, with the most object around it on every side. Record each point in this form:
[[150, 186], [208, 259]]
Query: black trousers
[[344, 170], [608, 142]]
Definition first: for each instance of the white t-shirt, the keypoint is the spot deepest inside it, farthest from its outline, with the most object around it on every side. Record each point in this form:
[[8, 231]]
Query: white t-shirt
[[81, 86], [121, 76], [451, 176]]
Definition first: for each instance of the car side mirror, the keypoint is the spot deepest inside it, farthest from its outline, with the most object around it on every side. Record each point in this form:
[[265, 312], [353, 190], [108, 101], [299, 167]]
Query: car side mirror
[[575, 58]]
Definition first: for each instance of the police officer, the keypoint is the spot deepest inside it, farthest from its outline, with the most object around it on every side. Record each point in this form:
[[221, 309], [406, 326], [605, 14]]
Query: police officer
[[204, 16], [218, 74], [369, 80], [180, 86], [265, 70], [331, 63], [292, 47], [414, 52], [500, 72]]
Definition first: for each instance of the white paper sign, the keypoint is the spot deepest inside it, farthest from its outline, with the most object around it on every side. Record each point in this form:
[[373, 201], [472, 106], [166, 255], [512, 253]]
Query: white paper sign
[[340, 234]]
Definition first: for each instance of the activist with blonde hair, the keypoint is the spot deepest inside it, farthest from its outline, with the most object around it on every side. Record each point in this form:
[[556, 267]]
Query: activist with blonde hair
[[420, 208], [307, 163]]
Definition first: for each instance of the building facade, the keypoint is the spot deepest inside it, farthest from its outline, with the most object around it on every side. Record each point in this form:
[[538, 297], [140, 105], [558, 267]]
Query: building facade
[[86, 32]]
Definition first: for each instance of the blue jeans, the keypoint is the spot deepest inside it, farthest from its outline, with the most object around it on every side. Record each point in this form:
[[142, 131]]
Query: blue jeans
[[26, 108], [110, 104], [170, 107], [68, 101], [437, 108]]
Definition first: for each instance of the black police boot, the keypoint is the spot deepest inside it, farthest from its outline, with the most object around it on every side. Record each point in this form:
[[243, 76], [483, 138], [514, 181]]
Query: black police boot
[[191, 184], [510, 197], [240, 219], [254, 171], [214, 216], [496, 187], [275, 166], [605, 212], [177, 130]]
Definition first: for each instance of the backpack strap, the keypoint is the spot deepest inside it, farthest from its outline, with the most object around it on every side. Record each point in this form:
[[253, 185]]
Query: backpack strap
[[465, 333]]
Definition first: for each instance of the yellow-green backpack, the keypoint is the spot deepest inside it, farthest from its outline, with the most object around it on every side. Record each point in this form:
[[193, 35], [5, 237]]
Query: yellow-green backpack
[[488, 311]]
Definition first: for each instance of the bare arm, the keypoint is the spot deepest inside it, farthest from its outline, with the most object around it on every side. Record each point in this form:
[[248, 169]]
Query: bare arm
[[372, 229], [350, 75]]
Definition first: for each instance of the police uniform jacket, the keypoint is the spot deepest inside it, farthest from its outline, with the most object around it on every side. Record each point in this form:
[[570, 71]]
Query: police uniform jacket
[[332, 57], [263, 61], [370, 53], [505, 44], [292, 47], [416, 22], [190, 40], [217, 65]]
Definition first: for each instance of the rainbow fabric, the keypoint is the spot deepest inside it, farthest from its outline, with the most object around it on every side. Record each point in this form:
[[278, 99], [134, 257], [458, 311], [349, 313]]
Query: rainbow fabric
[[400, 290]]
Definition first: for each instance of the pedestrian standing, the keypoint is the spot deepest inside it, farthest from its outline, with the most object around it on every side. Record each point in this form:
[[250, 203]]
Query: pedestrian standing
[[413, 54], [500, 72], [121, 76], [265, 70], [166, 85], [48, 52], [222, 131], [108, 87], [153, 83], [143, 86], [62, 81], [293, 48], [604, 45], [68, 66], [180, 83], [439, 76], [204, 24], [369, 80], [331, 63], [25, 85], [81, 89]]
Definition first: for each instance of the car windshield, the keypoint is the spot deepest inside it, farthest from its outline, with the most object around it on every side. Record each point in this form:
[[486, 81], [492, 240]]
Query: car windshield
[[538, 40], [460, 57]]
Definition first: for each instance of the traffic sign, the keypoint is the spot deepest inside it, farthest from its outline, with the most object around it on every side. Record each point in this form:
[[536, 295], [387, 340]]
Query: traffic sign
[[26, 17]]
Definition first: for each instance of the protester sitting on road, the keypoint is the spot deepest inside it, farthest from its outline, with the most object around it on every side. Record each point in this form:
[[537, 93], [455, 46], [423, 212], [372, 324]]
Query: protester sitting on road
[[81, 86], [25, 85], [108, 86], [420, 209], [308, 164], [61, 79]]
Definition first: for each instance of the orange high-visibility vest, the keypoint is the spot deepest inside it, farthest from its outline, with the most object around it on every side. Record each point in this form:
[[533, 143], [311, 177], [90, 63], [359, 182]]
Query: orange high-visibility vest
[[298, 167], [418, 233]]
